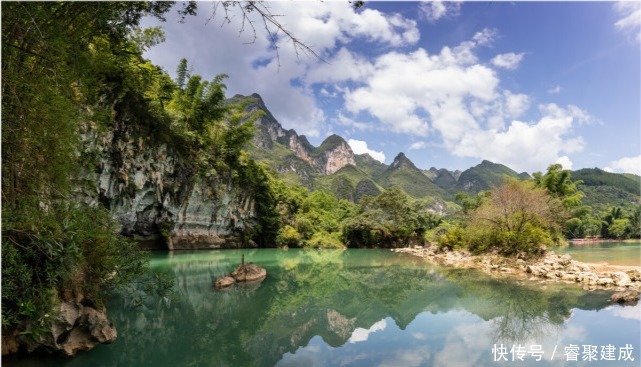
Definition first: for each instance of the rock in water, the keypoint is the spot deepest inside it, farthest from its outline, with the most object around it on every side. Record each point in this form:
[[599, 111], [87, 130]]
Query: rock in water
[[76, 328], [249, 273], [629, 297], [224, 282]]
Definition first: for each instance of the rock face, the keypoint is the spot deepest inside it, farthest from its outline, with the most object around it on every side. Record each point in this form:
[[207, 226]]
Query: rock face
[[75, 327], [155, 196], [332, 155]]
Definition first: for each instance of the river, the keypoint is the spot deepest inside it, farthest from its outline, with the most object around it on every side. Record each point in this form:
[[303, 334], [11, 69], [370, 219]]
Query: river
[[613, 253], [359, 308]]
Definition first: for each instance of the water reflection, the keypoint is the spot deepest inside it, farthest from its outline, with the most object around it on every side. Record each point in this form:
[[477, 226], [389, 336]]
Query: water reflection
[[356, 307]]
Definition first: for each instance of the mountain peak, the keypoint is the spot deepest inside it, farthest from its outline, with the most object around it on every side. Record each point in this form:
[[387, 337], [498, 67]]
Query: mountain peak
[[402, 162], [331, 142]]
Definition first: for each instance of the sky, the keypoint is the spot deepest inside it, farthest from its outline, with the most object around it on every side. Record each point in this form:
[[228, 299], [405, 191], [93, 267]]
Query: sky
[[525, 84]]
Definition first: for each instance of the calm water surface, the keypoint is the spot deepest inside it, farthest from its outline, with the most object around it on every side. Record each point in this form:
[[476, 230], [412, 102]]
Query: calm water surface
[[358, 308], [615, 253]]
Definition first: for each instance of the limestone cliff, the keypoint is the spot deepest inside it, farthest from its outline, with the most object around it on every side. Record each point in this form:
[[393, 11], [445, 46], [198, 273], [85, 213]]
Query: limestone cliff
[[332, 155], [155, 195]]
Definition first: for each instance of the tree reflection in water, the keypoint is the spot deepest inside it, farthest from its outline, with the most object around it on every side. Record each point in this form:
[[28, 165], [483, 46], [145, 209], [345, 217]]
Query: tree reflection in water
[[318, 293]]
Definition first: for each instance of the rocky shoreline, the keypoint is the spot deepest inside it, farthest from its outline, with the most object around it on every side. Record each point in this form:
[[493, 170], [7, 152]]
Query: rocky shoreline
[[549, 268]]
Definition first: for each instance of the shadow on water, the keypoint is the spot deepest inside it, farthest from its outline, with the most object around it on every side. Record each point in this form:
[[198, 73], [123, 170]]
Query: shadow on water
[[309, 294]]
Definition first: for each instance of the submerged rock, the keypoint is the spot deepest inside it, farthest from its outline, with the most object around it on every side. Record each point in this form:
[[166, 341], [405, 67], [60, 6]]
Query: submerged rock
[[244, 273], [249, 273], [224, 282], [630, 297]]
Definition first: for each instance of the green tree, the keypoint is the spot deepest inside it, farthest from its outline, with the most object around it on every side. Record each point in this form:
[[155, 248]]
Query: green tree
[[635, 222], [390, 219], [518, 218], [620, 228], [182, 74], [558, 183]]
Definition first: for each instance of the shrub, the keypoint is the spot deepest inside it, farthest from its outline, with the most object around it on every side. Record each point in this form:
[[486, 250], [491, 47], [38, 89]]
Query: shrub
[[517, 218], [288, 236], [64, 249], [326, 240], [452, 239]]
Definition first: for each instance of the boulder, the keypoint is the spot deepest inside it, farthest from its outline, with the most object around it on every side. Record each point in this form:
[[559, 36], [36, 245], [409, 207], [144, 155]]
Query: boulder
[[75, 328], [249, 273], [9, 342], [625, 297], [604, 281], [224, 282], [620, 278], [634, 275], [565, 259]]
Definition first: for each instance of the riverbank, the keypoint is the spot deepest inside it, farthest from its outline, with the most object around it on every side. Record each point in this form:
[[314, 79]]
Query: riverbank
[[549, 268]]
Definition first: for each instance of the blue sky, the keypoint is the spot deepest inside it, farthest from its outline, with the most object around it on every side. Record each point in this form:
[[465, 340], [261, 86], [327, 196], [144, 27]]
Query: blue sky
[[448, 83]]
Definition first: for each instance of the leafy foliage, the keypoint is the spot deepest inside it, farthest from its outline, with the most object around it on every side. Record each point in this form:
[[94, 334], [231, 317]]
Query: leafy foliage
[[515, 218], [390, 219]]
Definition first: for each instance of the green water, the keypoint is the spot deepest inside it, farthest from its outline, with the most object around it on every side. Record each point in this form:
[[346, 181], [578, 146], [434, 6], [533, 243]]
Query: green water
[[354, 308], [614, 253]]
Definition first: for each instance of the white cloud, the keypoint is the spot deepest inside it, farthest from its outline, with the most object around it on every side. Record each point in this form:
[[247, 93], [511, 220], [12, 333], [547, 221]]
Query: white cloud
[[507, 61], [526, 147], [400, 86], [346, 121], [417, 145], [630, 22], [343, 66], [630, 313], [435, 10], [565, 162], [361, 335], [516, 104], [626, 165], [555, 90], [360, 147], [452, 95]]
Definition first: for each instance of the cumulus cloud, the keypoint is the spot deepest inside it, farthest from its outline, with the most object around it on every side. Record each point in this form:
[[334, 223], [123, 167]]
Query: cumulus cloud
[[526, 146], [361, 335], [626, 165], [630, 21], [417, 145], [507, 61], [360, 147], [456, 98], [346, 121], [630, 313], [435, 10], [401, 86]]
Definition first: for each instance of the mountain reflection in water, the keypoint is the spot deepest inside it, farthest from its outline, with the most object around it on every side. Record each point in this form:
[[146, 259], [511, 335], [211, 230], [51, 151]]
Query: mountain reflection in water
[[352, 308]]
